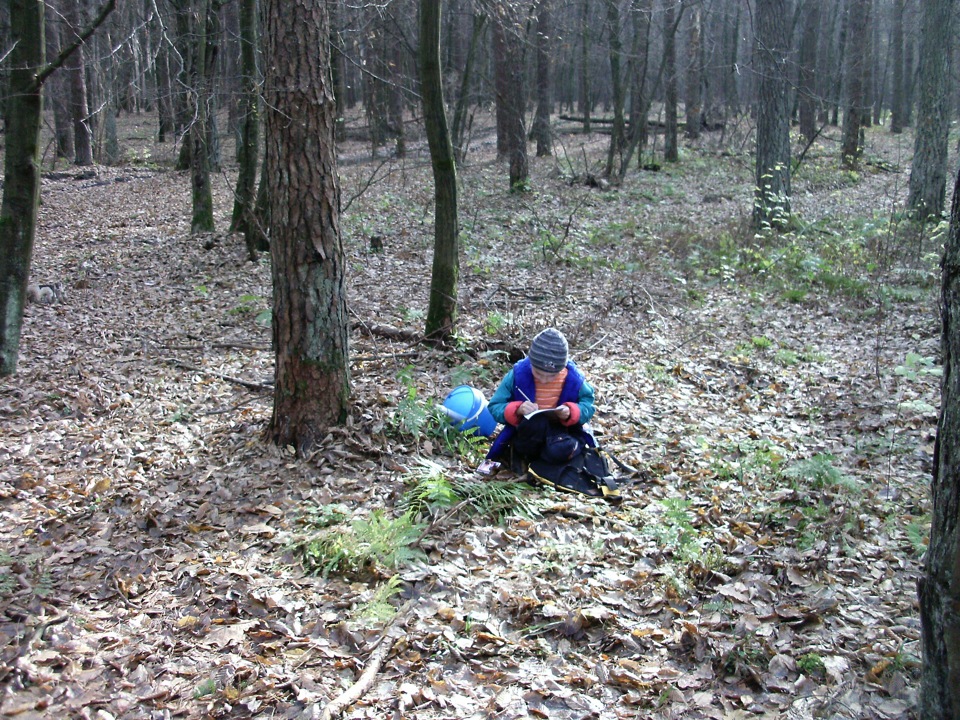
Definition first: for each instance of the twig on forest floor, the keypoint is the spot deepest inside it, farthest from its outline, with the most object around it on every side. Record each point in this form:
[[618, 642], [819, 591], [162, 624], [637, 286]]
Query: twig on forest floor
[[249, 384], [377, 657]]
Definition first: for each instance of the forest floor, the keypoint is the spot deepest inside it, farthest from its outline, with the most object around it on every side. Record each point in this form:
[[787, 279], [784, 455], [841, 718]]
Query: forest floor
[[777, 397]]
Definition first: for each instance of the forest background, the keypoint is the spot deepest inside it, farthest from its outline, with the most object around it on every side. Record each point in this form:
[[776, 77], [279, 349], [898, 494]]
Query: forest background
[[775, 392]]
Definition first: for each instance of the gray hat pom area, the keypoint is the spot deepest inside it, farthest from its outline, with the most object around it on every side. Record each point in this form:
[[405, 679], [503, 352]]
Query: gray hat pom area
[[548, 351]]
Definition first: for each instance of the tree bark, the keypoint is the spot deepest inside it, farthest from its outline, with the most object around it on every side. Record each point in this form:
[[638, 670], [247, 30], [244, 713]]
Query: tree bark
[[27, 71], [63, 129], [694, 86], [460, 124], [442, 312], [939, 588], [511, 97], [248, 152], [201, 132], [542, 133], [310, 327], [808, 70], [618, 131], [896, 42], [772, 198], [75, 68], [928, 173], [857, 60], [586, 102], [21, 182], [671, 149]]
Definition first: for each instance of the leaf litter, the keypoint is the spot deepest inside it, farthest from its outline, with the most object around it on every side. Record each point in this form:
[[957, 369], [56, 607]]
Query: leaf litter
[[762, 564]]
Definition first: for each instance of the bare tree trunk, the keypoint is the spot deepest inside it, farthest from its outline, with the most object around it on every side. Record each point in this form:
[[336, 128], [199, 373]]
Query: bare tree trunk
[[808, 70], [201, 129], [671, 150], [511, 98], [694, 87], [21, 176], [442, 313], [57, 85], [586, 102], [896, 42], [75, 69], [856, 55], [541, 124], [928, 173], [248, 150], [939, 588], [310, 325], [772, 198], [460, 124], [618, 131]]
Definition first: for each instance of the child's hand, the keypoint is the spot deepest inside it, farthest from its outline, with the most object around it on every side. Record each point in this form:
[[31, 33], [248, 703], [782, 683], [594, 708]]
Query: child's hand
[[527, 408], [563, 413]]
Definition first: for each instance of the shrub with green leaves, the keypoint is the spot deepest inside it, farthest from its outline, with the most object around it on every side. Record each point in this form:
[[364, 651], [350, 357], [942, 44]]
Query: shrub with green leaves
[[819, 473]]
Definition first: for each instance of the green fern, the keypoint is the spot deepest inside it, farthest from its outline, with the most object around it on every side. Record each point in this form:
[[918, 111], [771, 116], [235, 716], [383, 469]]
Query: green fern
[[374, 544], [432, 492], [378, 608]]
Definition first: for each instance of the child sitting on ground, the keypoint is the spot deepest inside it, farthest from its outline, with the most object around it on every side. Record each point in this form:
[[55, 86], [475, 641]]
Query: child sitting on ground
[[543, 403]]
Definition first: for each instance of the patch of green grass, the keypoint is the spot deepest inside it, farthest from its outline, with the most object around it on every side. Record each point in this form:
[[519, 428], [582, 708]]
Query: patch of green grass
[[786, 357], [761, 342], [811, 665]]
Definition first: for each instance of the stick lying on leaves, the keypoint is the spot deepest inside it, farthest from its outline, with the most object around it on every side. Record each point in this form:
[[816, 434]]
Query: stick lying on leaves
[[356, 691]]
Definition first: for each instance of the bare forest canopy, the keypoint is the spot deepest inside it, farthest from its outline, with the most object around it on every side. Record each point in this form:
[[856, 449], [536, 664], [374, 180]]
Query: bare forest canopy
[[774, 390]]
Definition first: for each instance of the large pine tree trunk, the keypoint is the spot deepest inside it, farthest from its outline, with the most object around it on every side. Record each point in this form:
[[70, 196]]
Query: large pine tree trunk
[[928, 173], [442, 313], [772, 199], [21, 177], [310, 324], [939, 589]]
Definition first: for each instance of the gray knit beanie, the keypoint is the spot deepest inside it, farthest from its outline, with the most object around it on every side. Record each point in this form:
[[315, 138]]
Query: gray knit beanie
[[548, 351]]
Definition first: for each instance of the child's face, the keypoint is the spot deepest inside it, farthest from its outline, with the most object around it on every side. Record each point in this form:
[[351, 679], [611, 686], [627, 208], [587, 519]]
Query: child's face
[[543, 377]]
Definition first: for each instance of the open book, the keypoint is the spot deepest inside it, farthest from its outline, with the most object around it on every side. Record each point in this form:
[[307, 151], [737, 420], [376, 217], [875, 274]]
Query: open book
[[537, 412]]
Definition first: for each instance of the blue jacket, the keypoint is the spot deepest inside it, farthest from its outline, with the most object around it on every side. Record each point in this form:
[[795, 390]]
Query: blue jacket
[[519, 385]]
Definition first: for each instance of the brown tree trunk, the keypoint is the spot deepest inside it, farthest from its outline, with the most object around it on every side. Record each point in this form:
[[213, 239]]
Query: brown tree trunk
[[586, 102], [618, 131], [310, 325], [857, 60], [21, 183], [896, 42], [928, 173], [772, 198], [939, 588], [808, 70], [57, 85], [511, 97], [541, 124], [671, 149], [75, 69], [442, 313], [694, 87]]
